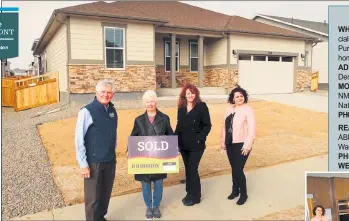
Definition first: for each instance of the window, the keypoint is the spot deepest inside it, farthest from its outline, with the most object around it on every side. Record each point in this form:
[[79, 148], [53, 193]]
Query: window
[[194, 56], [168, 55], [273, 58], [259, 58], [114, 47], [287, 59], [245, 57]]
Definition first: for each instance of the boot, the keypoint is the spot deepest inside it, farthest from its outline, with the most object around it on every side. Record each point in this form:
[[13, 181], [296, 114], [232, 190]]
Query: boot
[[243, 195], [234, 192]]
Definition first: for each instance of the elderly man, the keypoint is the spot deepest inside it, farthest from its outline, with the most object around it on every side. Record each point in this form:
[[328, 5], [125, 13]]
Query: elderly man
[[95, 142]]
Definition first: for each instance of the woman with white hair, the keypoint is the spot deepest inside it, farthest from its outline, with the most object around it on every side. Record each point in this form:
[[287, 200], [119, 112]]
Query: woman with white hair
[[152, 123]]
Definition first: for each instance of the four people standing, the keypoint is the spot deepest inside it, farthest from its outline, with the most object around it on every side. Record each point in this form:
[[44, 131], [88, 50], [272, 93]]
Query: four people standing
[[193, 126], [95, 141]]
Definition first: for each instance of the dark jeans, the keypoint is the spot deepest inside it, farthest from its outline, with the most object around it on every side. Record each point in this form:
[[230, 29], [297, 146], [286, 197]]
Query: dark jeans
[[237, 162], [97, 190], [191, 161]]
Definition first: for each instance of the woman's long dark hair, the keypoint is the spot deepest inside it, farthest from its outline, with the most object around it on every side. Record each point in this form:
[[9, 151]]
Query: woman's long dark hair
[[182, 101]]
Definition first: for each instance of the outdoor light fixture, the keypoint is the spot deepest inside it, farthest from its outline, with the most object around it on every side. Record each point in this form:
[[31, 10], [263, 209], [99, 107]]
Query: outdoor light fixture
[[303, 57], [234, 53]]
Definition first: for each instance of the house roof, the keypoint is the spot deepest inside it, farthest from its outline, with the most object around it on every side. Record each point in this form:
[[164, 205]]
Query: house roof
[[180, 15], [316, 27], [175, 15]]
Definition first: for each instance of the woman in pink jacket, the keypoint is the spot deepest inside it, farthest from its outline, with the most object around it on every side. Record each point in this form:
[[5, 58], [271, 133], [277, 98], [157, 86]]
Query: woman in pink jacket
[[238, 134]]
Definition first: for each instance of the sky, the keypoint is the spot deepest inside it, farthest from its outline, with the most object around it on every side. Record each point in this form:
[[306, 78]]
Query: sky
[[34, 15]]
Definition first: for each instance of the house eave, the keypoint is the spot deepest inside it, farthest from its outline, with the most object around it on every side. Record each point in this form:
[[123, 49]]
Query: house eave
[[290, 24], [274, 35]]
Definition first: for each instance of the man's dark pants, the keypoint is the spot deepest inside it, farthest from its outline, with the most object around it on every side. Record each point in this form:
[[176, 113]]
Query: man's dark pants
[[98, 189]]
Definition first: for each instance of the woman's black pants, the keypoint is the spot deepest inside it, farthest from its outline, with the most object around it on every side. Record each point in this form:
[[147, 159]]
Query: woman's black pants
[[237, 162], [191, 161]]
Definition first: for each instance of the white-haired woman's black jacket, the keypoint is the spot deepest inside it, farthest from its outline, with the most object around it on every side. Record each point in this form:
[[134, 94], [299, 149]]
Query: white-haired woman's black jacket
[[142, 127]]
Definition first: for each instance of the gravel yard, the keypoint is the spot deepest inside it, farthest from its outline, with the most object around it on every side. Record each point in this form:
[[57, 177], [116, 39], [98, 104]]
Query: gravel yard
[[27, 182]]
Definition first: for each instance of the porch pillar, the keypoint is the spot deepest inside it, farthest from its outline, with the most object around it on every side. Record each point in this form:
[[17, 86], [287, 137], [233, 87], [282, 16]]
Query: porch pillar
[[173, 61], [201, 61]]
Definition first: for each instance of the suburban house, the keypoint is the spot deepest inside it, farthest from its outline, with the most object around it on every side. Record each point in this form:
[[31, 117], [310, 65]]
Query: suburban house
[[318, 30], [330, 190], [130, 42]]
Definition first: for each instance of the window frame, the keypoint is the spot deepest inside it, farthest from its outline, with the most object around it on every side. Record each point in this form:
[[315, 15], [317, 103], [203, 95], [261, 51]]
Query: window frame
[[179, 49], [190, 57], [123, 48]]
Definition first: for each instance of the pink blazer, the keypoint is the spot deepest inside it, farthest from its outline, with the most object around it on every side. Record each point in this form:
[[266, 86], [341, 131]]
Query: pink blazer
[[244, 126]]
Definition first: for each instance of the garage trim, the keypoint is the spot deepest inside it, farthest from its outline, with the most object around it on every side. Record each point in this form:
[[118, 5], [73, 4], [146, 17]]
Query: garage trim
[[267, 53]]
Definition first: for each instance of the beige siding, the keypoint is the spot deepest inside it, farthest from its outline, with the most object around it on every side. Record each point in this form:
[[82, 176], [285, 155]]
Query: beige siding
[[256, 43], [140, 42], [320, 61], [57, 58], [216, 52], [159, 49], [86, 39]]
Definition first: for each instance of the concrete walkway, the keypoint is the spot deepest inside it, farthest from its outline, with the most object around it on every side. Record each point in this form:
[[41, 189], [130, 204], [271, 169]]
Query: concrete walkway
[[270, 190], [311, 101]]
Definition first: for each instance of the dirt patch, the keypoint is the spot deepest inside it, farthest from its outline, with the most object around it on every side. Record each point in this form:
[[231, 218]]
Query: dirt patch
[[284, 134], [291, 214]]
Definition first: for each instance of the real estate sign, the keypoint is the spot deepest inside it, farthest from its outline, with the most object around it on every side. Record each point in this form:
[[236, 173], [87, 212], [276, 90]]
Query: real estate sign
[[8, 33], [153, 154]]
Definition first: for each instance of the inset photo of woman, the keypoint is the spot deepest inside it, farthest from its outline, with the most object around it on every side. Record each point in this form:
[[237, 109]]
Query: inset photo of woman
[[327, 196]]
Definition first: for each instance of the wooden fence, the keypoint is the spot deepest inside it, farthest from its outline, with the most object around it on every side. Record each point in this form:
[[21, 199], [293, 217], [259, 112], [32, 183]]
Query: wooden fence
[[22, 94]]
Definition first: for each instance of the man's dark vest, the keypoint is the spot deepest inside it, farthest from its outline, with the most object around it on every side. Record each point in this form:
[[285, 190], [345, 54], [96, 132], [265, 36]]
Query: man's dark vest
[[100, 138]]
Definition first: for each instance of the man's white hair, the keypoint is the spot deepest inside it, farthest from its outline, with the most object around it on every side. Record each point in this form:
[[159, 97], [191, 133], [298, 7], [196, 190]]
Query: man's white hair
[[149, 95], [105, 83]]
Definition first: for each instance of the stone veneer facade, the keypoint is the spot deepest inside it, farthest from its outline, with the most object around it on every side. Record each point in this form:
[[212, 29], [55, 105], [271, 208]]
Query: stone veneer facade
[[303, 79], [214, 77], [136, 78]]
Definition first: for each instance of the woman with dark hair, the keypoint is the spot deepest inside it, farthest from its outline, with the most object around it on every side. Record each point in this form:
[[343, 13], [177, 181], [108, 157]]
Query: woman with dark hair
[[319, 214], [237, 136], [193, 126]]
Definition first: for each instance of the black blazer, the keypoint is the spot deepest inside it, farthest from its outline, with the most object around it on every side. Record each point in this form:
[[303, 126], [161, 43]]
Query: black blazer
[[193, 127], [143, 127]]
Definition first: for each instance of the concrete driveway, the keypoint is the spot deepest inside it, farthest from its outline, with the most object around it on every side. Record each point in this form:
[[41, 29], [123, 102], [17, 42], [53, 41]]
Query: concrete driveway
[[307, 100], [271, 189]]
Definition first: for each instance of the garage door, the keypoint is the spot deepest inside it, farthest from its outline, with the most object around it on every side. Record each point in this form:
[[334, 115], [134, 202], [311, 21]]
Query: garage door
[[262, 74]]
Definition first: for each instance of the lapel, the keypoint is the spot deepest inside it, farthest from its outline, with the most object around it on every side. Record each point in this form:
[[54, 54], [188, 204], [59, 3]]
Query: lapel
[[157, 120]]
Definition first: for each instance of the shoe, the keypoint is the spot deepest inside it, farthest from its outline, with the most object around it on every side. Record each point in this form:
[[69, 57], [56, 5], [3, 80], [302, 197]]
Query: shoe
[[185, 198], [156, 213], [191, 202], [234, 193], [149, 214], [242, 199]]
